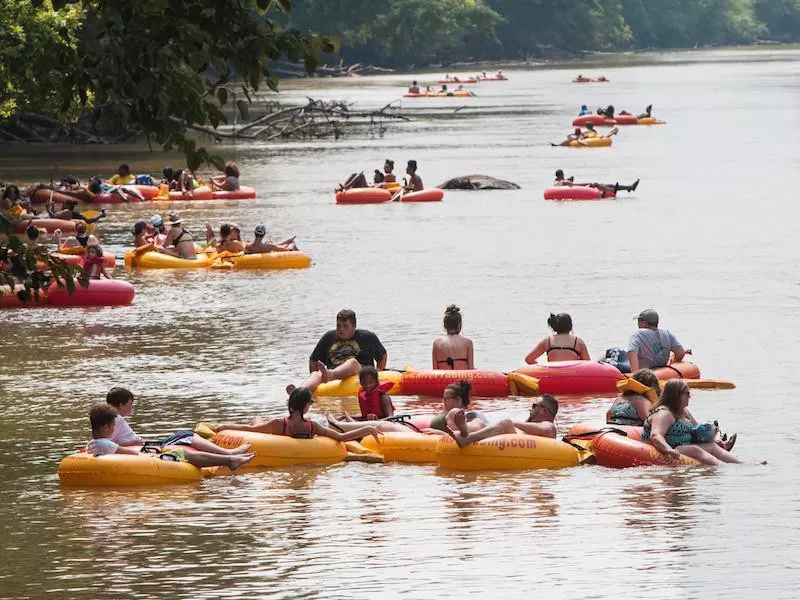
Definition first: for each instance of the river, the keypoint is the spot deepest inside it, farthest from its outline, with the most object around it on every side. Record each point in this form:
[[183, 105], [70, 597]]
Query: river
[[709, 239]]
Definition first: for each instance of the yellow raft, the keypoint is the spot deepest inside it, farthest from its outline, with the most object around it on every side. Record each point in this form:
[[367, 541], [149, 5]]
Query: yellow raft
[[506, 452], [349, 386], [266, 260], [649, 121], [411, 447], [592, 142], [124, 469], [157, 260], [282, 450]]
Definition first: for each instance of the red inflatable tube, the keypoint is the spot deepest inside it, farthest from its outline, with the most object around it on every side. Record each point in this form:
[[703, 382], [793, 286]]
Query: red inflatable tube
[[49, 225], [678, 370], [589, 431], [243, 193], [574, 377], [487, 384], [42, 195], [575, 192], [429, 195], [202, 193], [596, 120], [620, 452], [626, 120], [112, 198], [101, 292], [363, 196]]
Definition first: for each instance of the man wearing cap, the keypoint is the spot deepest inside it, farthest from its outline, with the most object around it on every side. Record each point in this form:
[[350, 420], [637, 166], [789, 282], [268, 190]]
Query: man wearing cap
[[342, 352], [650, 346], [261, 246]]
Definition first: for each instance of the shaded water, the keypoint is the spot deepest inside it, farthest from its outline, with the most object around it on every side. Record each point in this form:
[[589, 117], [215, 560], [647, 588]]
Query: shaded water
[[708, 239]]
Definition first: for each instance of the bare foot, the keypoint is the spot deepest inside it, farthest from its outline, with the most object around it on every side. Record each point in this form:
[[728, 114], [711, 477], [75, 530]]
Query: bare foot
[[240, 459], [459, 440], [290, 388], [241, 449], [330, 418], [460, 419], [324, 370]]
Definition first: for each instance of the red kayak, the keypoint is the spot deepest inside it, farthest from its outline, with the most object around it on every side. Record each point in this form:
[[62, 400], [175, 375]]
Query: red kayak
[[574, 377], [575, 192]]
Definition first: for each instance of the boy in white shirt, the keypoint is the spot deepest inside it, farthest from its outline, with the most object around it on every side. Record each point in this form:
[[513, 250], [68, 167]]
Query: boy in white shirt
[[102, 417]]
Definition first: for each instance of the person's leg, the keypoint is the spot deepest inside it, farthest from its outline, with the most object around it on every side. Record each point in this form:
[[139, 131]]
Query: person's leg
[[382, 426], [311, 382], [204, 459], [696, 452], [720, 453], [349, 367], [203, 445]]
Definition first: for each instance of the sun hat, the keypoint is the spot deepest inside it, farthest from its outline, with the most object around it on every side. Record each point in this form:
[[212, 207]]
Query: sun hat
[[175, 219]]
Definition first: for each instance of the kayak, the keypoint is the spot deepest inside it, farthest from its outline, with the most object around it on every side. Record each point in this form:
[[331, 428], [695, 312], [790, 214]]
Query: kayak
[[593, 142], [427, 195], [458, 80], [574, 377], [101, 292], [157, 260], [266, 260], [363, 196], [575, 192], [590, 80]]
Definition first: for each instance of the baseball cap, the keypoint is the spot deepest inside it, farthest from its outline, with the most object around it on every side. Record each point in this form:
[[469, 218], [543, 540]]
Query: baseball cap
[[156, 220], [649, 316], [260, 230]]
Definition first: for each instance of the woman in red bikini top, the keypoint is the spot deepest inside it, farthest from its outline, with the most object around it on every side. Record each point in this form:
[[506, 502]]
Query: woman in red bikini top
[[562, 345]]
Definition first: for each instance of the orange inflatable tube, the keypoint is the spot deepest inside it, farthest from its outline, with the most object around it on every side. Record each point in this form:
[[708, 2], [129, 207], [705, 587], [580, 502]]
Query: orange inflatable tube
[[621, 452], [678, 370]]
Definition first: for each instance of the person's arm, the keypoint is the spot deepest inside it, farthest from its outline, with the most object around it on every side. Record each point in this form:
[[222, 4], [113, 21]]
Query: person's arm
[[679, 353], [319, 354], [387, 408], [583, 351], [103, 272], [380, 353], [659, 423], [642, 406], [633, 360], [312, 365], [381, 363], [267, 427], [355, 434], [608, 414], [470, 356], [434, 362], [287, 241], [543, 429], [537, 351]]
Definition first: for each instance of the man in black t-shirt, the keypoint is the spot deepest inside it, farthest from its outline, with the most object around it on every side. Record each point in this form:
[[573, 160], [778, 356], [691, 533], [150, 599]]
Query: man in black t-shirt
[[342, 352]]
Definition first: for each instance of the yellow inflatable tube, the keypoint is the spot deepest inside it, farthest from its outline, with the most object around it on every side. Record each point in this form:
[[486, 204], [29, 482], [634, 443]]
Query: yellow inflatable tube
[[506, 452], [124, 469], [267, 260], [282, 450], [411, 447], [649, 121], [157, 260], [593, 142], [349, 386]]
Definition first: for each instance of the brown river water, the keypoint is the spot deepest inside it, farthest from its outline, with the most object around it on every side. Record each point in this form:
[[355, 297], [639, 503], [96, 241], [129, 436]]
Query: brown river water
[[709, 239]]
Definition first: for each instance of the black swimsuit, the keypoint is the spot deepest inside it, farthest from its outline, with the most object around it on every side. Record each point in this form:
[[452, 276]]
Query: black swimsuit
[[451, 362], [573, 349], [177, 240]]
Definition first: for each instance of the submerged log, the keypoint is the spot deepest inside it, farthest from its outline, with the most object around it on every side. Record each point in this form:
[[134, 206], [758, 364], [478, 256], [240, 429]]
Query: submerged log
[[477, 182]]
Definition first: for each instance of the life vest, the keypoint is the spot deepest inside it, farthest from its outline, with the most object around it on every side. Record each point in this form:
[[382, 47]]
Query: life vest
[[371, 404]]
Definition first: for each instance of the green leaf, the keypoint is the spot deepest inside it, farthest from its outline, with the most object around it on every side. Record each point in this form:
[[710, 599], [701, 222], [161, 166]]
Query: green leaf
[[222, 95], [244, 109]]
